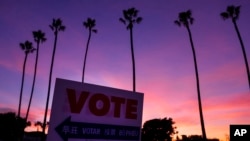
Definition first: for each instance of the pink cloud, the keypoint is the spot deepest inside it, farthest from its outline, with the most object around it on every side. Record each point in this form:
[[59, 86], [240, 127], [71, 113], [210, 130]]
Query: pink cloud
[[16, 62], [226, 72], [238, 100]]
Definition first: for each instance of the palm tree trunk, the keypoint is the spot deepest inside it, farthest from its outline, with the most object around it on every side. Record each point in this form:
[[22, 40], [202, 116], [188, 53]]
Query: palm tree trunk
[[85, 56], [21, 91], [133, 57], [243, 50], [198, 86], [50, 78], [33, 83]]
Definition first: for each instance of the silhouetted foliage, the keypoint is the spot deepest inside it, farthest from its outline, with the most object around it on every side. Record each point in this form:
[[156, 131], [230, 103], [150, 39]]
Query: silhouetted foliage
[[38, 125], [89, 24], [130, 17], [193, 138], [27, 47], [186, 19], [11, 127], [39, 37], [56, 26], [233, 12], [158, 130], [33, 136]]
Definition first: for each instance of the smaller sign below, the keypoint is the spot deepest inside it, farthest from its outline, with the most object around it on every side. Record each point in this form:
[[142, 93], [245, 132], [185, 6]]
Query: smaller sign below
[[81, 130]]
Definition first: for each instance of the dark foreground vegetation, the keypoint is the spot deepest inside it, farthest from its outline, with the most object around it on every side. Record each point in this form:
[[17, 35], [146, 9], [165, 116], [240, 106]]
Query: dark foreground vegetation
[[12, 129]]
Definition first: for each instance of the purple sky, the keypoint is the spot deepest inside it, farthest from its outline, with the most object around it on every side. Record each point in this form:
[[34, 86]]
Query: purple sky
[[164, 61]]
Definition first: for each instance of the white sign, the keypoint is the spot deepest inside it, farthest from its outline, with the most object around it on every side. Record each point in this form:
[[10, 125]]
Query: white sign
[[91, 112]]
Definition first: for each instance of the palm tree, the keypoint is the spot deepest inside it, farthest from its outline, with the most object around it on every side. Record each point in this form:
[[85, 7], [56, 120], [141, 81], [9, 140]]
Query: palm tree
[[233, 12], [27, 47], [89, 24], [39, 37], [56, 26], [185, 19], [130, 17]]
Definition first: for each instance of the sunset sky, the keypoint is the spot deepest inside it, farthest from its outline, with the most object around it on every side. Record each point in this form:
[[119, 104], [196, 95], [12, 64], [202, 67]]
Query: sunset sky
[[164, 62]]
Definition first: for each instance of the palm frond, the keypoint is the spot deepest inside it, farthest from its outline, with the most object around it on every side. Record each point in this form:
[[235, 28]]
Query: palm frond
[[85, 24], [130, 16], [58, 22], [182, 16], [57, 25], [53, 22], [89, 23], [22, 46], [185, 18], [177, 22], [94, 30], [130, 26], [230, 10], [27, 46], [224, 15], [89, 19], [51, 27], [93, 22], [135, 12], [32, 50], [62, 28], [138, 20], [34, 33], [122, 20], [39, 36], [125, 14], [43, 39], [130, 12], [237, 12], [189, 14]]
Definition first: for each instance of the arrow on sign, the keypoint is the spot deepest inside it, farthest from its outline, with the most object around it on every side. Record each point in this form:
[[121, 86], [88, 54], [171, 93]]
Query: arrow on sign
[[81, 130]]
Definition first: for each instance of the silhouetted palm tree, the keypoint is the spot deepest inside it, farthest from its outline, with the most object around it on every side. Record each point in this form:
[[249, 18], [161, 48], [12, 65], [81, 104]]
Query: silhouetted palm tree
[[233, 12], [39, 37], [130, 17], [56, 26], [89, 24], [27, 47], [185, 19]]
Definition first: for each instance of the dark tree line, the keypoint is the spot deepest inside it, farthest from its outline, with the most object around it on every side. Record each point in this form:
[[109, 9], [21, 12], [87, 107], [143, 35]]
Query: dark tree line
[[193, 138], [11, 126], [158, 130]]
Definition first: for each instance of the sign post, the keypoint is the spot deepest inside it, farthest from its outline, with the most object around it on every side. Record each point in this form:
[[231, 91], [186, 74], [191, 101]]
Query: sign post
[[90, 112]]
